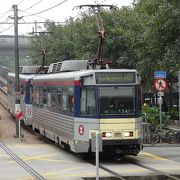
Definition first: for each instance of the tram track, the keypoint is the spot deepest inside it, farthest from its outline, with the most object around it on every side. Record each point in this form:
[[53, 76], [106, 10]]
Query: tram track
[[169, 176], [117, 175], [130, 160], [3, 96], [24, 165]]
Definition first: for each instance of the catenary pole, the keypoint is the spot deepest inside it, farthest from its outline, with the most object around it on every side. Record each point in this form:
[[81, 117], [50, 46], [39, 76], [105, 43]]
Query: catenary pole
[[17, 88], [179, 97]]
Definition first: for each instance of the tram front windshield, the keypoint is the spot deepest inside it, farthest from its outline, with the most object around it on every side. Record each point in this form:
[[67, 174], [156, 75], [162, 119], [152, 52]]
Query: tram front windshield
[[117, 100]]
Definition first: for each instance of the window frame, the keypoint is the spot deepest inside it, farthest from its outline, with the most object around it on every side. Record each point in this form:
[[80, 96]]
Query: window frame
[[95, 100], [136, 112]]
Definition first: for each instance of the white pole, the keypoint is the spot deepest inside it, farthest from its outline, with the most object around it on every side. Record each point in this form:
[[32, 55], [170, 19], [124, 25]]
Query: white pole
[[160, 109], [19, 130], [97, 155]]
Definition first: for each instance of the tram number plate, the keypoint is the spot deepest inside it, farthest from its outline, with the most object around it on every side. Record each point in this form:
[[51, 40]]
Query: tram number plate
[[117, 134]]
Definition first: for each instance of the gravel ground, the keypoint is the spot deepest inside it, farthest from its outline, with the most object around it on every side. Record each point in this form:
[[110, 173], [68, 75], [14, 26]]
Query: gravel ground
[[8, 130]]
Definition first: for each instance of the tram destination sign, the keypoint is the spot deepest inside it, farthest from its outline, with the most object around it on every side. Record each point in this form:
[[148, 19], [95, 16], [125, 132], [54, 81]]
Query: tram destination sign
[[115, 77]]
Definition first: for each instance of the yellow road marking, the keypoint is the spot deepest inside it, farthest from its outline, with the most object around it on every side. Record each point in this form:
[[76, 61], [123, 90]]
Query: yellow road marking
[[4, 155], [42, 157], [147, 155]]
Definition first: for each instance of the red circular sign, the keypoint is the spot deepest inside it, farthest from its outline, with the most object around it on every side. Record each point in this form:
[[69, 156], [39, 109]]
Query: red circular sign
[[81, 129], [160, 84]]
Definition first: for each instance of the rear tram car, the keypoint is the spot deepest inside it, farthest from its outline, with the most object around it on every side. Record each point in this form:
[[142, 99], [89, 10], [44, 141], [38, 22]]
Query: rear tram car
[[69, 107], [26, 75]]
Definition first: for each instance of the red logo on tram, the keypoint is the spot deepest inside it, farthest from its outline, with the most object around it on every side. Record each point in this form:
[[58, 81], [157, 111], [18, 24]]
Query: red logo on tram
[[81, 129]]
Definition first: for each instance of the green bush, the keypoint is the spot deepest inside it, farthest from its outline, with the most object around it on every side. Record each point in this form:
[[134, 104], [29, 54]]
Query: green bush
[[153, 116], [173, 113]]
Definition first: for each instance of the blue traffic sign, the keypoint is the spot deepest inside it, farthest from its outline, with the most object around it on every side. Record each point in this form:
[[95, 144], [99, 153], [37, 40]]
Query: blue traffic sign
[[160, 74]]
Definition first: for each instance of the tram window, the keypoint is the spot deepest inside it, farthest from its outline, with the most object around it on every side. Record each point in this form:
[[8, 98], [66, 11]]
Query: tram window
[[71, 103], [125, 97], [48, 99], [70, 99], [54, 104], [64, 103], [44, 100], [49, 89], [65, 100], [36, 96], [59, 90], [30, 94], [88, 105], [22, 89]]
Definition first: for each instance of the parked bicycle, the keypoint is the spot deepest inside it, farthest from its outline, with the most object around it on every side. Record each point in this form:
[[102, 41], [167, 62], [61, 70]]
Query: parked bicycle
[[177, 133], [158, 135]]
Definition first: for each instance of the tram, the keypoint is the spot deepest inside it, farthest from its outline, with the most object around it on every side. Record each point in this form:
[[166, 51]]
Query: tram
[[26, 75], [70, 107]]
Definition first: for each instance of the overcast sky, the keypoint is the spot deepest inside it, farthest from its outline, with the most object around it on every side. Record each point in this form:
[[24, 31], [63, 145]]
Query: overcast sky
[[27, 8]]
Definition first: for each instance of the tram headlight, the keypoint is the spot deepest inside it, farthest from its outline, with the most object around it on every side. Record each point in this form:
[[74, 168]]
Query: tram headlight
[[128, 134], [107, 134]]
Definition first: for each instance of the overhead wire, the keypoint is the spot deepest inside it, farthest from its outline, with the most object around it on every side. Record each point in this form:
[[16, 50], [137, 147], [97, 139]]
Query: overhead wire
[[47, 9], [34, 14], [21, 2], [33, 5], [30, 14], [6, 28], [4, 14]]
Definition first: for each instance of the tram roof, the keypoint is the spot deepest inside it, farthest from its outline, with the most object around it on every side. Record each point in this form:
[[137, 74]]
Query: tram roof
[[22, 76], [76, 74]]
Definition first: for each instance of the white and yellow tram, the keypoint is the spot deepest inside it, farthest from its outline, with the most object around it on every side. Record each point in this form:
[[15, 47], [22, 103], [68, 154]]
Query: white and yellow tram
[[68, 107]]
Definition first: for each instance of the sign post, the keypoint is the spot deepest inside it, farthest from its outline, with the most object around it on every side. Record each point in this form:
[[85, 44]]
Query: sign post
[[96, 146], [160, 111], [160, 85], [19, 117], [97, 155], [179, 99]]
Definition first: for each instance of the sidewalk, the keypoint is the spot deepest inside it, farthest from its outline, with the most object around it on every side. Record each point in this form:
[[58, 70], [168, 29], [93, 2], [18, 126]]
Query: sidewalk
[[175, 126]]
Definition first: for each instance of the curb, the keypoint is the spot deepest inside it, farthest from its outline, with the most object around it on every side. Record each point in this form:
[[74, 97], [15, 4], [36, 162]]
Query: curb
[[161, 145]]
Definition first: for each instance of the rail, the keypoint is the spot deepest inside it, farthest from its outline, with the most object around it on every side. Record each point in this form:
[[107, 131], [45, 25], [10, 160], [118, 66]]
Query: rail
[[3, 97], [30, 170], [131, 160], [167, 175]]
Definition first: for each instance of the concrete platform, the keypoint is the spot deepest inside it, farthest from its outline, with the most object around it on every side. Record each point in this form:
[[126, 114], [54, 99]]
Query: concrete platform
[[48, 160]]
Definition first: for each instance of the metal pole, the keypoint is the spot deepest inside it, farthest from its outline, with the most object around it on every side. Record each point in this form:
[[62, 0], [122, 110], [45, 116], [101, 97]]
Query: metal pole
[[179, 99], [160, 109], [35, 26], [97, 155], [42, 35], [19, 129], [17, 89]]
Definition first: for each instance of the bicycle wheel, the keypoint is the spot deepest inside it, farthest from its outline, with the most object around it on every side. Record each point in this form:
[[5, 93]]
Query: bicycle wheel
[[170, 137], [152, 138]]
